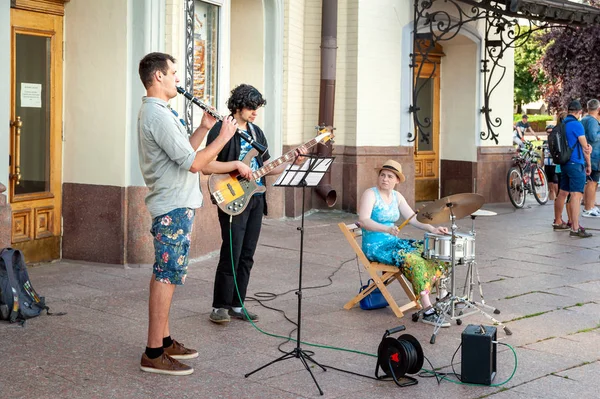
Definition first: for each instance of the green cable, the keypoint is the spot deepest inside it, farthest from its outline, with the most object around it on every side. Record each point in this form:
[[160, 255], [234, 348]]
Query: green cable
[[335, 347], [268, 333]]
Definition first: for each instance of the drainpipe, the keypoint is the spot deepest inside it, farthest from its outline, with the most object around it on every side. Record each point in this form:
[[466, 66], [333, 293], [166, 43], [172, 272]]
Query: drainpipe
[[327, 92]]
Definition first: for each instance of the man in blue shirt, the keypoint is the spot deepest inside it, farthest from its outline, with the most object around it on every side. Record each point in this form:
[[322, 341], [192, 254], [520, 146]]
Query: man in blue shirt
[[591, 125], [573, 173]]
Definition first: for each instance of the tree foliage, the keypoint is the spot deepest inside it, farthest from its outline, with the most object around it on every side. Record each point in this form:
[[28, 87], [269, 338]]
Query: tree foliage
[[571, 63], [529, 77]]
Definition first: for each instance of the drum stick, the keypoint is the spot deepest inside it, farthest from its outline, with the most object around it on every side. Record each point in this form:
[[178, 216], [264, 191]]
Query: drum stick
[[407, 220]]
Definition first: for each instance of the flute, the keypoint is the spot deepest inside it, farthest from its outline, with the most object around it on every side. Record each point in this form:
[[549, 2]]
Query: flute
[[245, 136]]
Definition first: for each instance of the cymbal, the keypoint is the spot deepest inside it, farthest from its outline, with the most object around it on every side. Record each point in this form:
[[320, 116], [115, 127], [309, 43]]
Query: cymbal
[[461, 205], [483, 212]]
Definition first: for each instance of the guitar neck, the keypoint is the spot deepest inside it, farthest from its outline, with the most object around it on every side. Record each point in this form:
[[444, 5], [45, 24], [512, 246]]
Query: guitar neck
[[287, 157]]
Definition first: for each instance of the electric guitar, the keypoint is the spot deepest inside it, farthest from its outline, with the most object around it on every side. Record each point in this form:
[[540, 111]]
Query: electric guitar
[[231, 192]]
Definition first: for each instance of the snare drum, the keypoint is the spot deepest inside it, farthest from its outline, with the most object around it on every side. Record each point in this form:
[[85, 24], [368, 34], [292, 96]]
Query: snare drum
[[439, 247]]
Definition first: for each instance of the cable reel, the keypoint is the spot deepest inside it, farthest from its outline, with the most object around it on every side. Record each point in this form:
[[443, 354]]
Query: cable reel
[[398, 357]]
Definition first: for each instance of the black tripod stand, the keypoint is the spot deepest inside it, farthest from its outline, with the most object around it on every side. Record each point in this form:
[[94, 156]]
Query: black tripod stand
[[307, 175]]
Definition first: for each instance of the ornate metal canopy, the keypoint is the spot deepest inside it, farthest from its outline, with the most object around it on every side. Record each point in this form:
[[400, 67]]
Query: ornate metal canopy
[[508, 24]]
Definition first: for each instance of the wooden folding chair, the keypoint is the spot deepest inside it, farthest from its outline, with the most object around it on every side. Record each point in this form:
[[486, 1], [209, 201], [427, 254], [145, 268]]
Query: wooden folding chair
[[389, 273]]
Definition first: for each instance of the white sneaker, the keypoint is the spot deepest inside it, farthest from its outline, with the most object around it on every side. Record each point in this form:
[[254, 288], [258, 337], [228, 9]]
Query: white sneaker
[[592, 213]]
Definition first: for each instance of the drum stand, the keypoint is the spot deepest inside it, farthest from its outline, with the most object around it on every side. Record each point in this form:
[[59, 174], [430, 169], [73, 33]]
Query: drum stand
[[447, 306], [469, 281]]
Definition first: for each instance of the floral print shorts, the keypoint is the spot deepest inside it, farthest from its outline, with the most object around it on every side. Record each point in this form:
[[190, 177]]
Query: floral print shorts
[[171, 234]]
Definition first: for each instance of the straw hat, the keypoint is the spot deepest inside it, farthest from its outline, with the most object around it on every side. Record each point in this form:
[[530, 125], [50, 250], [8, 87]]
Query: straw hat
[[393, 167]]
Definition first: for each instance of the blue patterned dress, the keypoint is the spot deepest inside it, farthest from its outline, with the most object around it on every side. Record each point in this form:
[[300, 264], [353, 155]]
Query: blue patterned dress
[[404, 253]]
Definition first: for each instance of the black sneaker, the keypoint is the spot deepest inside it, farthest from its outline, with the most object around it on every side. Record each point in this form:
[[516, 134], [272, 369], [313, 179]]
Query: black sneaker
[[242, 315], [581, 233]]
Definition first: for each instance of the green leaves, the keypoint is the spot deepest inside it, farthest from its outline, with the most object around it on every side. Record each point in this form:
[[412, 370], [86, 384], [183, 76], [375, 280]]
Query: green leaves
[[571, 64], [529, 76]]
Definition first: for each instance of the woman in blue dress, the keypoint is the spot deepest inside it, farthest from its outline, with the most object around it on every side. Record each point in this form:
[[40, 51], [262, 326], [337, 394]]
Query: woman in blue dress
[[380, 207]]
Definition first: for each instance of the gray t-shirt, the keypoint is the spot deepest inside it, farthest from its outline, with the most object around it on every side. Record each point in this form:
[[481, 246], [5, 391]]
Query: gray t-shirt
[[166, 156]]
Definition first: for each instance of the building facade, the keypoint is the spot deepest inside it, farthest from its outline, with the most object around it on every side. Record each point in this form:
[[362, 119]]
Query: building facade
[[76, 92]]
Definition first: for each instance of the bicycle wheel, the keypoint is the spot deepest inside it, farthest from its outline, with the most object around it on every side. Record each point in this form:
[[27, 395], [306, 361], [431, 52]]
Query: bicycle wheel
[[516, 187], [539, 185]]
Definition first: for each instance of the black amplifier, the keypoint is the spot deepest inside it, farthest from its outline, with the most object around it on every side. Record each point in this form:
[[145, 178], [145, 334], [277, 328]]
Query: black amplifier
[[478, 354]]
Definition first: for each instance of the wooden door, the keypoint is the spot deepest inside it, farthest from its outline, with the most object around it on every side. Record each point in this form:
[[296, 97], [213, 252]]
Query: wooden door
[[427, 152], [35, 189]]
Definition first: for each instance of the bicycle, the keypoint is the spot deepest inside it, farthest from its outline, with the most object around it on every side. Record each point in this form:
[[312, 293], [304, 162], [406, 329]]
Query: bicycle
[[527, 177]]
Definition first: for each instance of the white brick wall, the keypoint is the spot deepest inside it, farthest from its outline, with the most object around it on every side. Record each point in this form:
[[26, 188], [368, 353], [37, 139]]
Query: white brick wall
[[346, 108], [293, 74], [302, 71]]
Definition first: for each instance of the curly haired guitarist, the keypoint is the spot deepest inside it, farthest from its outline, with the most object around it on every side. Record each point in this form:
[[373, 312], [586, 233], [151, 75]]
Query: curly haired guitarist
[[244, 103]]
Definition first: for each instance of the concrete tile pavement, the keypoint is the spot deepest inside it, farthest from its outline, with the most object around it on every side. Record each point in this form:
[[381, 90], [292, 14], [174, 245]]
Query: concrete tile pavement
[[546, 284]]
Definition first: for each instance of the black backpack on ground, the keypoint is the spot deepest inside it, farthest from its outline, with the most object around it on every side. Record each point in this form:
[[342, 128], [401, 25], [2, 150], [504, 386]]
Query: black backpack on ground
[[558, 145], [18, 299]]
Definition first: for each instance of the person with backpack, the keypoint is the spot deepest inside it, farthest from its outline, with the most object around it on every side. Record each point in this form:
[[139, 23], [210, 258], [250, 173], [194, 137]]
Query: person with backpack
[[550, 168], [575, 170], [591, 125]]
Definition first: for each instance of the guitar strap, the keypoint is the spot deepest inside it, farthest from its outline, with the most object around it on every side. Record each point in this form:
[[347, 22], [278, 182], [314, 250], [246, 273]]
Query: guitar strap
[[252, 131], [258, 157]]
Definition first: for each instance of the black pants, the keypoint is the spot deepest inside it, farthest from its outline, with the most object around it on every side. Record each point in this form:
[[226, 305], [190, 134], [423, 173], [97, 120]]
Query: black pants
[[245, 230]]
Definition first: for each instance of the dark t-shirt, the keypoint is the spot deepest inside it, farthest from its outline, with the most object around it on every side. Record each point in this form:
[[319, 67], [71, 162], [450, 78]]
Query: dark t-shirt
[[231, 150], [522, 125]]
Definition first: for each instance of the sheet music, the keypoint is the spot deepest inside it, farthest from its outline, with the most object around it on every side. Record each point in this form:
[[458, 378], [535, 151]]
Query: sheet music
[[293, 174]]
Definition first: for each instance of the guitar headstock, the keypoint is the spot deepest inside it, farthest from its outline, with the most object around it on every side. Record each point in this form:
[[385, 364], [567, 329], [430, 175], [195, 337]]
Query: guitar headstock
[[325, 133]]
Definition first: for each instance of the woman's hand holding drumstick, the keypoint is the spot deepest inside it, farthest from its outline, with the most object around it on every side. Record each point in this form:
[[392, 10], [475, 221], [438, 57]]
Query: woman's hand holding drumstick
[[395, 230]]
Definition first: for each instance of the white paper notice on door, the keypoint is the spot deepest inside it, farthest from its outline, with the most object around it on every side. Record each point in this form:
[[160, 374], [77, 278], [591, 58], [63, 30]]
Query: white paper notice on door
[[31, 95]]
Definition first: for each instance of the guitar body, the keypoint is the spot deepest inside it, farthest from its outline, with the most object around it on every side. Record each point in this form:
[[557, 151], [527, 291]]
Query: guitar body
[[230, 191]]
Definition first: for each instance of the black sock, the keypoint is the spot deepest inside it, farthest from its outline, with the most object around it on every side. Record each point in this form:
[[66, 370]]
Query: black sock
[[167, 341], [153, 353]]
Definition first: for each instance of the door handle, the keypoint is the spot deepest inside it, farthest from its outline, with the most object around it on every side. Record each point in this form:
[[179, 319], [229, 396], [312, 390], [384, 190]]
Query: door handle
[[17, 156]]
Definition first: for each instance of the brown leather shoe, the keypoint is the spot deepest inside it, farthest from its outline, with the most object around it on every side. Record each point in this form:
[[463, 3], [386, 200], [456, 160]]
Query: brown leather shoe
[[178, 351], [164, 364]]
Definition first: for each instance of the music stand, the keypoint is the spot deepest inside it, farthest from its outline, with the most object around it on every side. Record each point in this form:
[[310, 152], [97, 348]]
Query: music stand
[[309, 174]]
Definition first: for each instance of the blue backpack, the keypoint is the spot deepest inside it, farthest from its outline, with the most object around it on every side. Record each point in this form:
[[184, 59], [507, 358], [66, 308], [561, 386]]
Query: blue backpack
[[18, 299]]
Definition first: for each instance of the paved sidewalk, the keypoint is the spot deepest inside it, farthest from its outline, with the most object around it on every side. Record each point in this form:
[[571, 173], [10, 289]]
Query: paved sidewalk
[[546, 284]]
